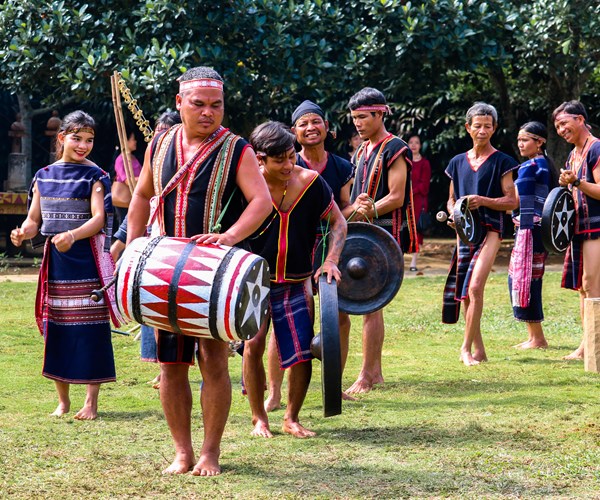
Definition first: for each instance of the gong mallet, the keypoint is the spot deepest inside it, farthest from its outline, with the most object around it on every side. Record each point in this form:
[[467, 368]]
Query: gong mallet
[[98, 295]]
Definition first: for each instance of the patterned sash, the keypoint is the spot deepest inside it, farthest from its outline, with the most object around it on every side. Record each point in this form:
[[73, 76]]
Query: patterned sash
[[185, 176], [402, 219]]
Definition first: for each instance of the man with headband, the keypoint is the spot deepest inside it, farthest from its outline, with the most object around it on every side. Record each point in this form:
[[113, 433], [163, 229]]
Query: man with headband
[[484, 174], [311, 129], [382, 187], [582, 175], [190, 200]]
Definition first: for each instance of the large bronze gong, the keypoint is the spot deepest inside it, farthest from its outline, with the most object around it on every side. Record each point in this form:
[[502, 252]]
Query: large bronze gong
[[326, 347], [372, 268]]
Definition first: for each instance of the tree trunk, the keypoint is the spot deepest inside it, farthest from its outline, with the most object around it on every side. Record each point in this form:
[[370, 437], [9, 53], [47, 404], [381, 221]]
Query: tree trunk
[[506, 110], [26, 141]]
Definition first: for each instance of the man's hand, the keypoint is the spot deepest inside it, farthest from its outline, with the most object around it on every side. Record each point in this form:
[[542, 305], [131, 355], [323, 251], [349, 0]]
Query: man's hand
[[475, 201], [330, 269], [214, 239], [566, 177]]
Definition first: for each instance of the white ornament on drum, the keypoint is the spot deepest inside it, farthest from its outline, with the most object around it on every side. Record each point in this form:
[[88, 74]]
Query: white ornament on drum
[[257, 293]]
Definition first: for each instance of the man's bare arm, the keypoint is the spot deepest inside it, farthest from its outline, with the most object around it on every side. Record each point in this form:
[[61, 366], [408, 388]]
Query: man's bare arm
[[506, 202]]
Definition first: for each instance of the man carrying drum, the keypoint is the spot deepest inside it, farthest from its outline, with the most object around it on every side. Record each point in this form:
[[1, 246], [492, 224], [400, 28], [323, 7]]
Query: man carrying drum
[[202, 181], [483, 174]]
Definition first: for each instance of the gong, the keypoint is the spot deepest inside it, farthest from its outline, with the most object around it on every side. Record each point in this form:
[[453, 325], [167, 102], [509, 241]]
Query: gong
[[326, 347], [372, 268], [558, 220], [467, 223]]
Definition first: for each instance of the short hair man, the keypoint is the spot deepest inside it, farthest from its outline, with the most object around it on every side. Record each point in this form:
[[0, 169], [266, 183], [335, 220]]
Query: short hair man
[[311, 130], [582, 174], [301, 198], [382, 187], [484, 174], [181, 163]]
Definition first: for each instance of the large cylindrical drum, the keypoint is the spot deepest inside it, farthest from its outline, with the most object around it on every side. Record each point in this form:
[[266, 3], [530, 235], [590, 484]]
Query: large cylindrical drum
[[207, 291]]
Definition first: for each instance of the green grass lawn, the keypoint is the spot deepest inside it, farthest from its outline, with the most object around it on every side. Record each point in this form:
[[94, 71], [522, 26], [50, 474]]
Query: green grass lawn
[[525, 424]]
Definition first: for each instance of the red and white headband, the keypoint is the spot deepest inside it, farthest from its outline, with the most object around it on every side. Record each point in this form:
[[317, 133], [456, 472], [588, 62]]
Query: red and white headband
[[375, 107], [210, 83]]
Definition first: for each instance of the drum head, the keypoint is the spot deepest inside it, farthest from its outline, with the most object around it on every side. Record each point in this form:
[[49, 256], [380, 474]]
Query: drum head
[[331, 358], [468, 226], [253, 300], [558, 220]]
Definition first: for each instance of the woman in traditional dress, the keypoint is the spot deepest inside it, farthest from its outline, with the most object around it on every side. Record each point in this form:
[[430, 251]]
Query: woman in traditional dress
[[528, 258], [421, 179], [70, 205]]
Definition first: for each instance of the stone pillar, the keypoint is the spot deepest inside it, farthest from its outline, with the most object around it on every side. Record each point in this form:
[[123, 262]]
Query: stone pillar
[[18, 177], [591, 335]]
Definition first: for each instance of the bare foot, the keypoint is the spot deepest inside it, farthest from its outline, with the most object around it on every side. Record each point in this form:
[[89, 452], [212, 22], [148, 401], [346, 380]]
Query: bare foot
[[180, 465], [61, 409], [364, 384], [86, 413], [261, 429], [522, 345], [534, 344], [155, 381], [468, 359], [347, 397], [576, 354], [273, 403], [208, 465], [297, 430]]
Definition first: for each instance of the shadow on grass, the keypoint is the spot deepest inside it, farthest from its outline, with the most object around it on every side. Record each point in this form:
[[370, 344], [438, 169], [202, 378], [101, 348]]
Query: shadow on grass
[[345, 478]]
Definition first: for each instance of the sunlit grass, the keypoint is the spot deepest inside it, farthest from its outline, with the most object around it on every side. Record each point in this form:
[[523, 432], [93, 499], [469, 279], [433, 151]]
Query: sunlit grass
[[524, 424]]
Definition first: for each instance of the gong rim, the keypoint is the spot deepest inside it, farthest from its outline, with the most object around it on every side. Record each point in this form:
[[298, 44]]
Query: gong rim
[[558, 220], [331, 357], [467, 222]]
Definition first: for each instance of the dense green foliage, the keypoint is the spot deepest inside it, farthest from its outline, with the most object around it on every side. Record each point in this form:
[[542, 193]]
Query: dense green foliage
[[431, 58], [524, 425]]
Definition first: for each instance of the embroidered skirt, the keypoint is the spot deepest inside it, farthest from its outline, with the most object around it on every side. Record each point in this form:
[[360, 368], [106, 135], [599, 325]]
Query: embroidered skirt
[[78, 344], [533, 313]]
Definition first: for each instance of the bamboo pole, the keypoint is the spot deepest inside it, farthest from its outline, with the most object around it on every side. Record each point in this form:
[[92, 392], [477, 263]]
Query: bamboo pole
[[121, 131]]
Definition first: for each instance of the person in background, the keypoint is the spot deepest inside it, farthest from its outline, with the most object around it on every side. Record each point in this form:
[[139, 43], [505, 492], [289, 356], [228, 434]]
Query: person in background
[[382, 187], [353, 143], [421, 179], [147, 334]]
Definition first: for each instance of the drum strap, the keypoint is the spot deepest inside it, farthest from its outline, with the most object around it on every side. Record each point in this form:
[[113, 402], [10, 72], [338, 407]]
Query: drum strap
[[218, 183]]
